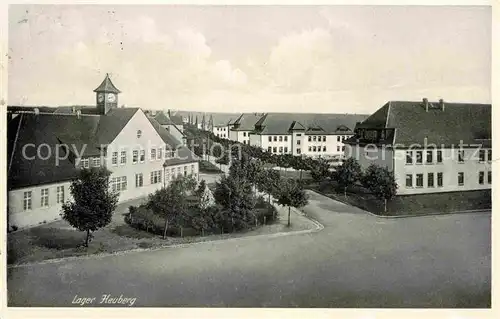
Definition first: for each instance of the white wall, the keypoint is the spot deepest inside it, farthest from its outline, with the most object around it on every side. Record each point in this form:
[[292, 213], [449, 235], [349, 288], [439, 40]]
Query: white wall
[[37, 215], [221, 131], [277, 144], [450, 167], [256, 140]]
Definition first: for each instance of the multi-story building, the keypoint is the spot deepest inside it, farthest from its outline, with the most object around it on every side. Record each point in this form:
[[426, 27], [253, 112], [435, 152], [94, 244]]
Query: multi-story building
[[175, 130], [240, 129], [315, 135], [47, 150], [430, 147]]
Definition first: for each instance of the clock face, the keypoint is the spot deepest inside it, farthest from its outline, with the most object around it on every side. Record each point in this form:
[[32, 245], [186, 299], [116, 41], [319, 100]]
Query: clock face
[[111, 97], [100, 97]]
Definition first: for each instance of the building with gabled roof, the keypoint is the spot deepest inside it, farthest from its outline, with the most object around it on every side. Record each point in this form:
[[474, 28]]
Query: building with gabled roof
[[430, 146], [46, 151], [316, 135]]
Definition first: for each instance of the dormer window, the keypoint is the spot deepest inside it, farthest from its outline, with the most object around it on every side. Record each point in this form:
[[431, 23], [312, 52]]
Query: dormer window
[[139, 133]]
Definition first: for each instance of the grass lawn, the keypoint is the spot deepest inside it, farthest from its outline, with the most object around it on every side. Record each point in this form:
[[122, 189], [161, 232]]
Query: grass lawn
[[422, 204], [58, 240]]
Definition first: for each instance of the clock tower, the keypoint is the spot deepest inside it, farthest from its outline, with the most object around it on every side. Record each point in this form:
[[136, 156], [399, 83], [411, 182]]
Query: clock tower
[[106, 96]]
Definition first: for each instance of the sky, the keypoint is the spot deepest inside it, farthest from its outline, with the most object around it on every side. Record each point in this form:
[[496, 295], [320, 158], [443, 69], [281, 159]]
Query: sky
[[327, 59]]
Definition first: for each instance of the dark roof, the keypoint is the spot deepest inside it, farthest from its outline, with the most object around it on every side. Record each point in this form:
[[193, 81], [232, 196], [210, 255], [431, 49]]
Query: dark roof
[[85, 135], [282, 123], [107, 86], [465, 122], [161, 118], [185, 155], [42, 109], [70, 109], [247, 121]]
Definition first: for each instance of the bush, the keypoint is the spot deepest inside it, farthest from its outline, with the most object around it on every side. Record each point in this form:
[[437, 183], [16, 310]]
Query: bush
[[265, 212], [14, 227], [207, 167], [143, 219]]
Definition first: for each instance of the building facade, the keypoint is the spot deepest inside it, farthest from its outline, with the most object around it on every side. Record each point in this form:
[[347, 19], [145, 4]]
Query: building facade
[[430, 147], [46, 151]]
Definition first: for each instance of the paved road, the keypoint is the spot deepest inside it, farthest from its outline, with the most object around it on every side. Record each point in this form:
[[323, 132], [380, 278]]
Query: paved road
[[358, 260]]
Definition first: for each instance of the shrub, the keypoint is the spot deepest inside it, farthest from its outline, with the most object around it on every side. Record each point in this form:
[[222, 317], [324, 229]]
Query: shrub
[[265, 212], [14, 227]]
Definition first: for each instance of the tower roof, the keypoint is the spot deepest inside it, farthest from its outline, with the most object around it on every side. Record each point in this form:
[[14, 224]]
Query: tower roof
[[107, 86]]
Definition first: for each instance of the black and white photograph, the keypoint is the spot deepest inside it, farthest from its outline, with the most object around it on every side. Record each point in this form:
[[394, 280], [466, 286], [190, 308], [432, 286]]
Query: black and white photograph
[[248, 156]]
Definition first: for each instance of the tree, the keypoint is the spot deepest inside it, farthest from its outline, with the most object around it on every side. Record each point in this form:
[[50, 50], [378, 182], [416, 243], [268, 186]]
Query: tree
[[268, 181], [223, 160], [205, 219], [348, 173], [93, 203], [291, 194], [235, 196], [170, 203], [201, 188], [381, 182], [320, 169], [207, 199]]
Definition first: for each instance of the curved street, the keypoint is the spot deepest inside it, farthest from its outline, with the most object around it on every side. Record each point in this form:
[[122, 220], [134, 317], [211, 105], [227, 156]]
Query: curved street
[[357, 260]]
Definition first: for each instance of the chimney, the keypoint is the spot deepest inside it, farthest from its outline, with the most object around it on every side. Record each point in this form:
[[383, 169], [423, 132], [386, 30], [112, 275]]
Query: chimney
[[441, 104], [73, 109], [36, 110], [168, 112], [78, 114], [426, 104]]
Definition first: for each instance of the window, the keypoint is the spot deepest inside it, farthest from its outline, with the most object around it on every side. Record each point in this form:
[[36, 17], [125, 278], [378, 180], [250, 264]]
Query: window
[[489, 177], [298, 142], [309, 138], [409, 157], [324, 138], [482, 156], [429, 157], [338, 138], [275, 138], [114, 159], [314, 148], [338, 148], [270, 138], [178, 171], [143, 156], [460, 156], [314, 138], [96, 162], [85, 163], [274, 149], [440, 179], [281, 138], [192, 169], [139, 180], [155, 177], [281, 149], [44, 197], [185, 170], [153, 154], [324, 148], [460, 179], [286, 138], [244, 142], [319, 149], [159, 154], [119, 183], [123, 157], [430, 180], [489, 155], [420, 180], [439, 156], [173, 173], [409, 180], [419, 157], [481, 178], [298, 151], [343, 148], [286, 149], [269, 149], [245, 134], [139, 133], [60, 194], [27, 201], [135, 156]]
